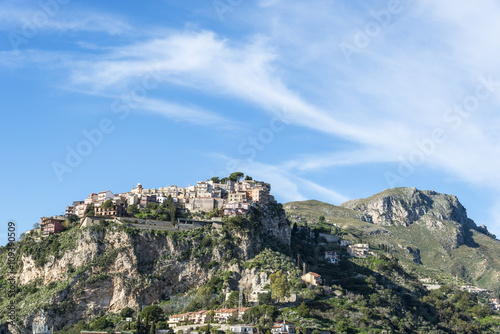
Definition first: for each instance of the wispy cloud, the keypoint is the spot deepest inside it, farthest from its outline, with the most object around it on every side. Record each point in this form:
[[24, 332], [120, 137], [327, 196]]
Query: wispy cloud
[[193, 114], [286, 184], [53, 17]]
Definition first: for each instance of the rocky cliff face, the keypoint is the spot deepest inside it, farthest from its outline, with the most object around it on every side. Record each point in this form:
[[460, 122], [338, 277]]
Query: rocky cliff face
[[112, 267], [439, 213]]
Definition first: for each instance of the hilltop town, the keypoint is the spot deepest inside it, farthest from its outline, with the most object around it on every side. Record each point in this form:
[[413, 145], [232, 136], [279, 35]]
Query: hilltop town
[[229, 194], [215, 197]]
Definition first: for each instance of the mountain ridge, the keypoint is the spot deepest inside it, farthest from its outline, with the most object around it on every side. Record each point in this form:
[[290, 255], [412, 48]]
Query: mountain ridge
[[428, 229]]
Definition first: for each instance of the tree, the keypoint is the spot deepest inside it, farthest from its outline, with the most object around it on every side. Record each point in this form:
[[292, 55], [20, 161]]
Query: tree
[[294, 228], [280, 287], [211, 315], [66, 223], [264, 298], [132, 209], [303, 310], [169, 207], [89, 210], [153, 328], [73, 218], [248, 178], [233, 298], [321, 219], [126, 312], [215, 179], [101, 323], [107, 204], [139, 327], [342, 326], [236, 176], [152, 313], [36, 225]]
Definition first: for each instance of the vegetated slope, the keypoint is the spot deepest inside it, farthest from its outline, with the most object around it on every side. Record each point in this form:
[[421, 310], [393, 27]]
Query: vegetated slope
[[83, 273], [428, 229]]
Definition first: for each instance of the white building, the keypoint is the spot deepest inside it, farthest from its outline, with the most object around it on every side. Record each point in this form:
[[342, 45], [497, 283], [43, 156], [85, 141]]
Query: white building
[[358, 250], [283, 328], [103, 196], [333, 257], [241, 329]]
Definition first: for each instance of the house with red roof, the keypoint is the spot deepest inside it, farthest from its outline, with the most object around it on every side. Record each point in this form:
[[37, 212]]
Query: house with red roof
[[312, 278], [283, 328]]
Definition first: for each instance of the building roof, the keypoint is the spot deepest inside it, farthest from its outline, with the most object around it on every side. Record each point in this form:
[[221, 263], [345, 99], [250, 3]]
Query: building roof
[[314, 274]]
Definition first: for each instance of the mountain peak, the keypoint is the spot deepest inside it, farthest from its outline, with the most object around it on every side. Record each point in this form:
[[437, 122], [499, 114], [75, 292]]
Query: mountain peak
[[405, 206]]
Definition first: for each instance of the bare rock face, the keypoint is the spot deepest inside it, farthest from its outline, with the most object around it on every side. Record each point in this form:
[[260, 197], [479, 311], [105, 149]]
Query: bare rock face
[[439, 213], [274, 223]]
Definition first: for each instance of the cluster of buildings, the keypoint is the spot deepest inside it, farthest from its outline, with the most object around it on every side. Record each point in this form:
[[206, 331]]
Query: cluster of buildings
[[203, 316], [473, 289], [233, 197], [495, 304], [357, 250], [222, 316]]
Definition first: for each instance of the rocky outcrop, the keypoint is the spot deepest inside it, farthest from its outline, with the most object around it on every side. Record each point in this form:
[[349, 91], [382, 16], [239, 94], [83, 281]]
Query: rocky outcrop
[[439, 213]]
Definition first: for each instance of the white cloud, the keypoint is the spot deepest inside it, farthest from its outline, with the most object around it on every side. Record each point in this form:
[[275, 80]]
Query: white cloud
[[28, 22], [285, 183], [191, 114]]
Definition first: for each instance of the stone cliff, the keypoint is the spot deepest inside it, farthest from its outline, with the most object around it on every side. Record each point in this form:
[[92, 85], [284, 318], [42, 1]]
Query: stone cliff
[[439, 213]]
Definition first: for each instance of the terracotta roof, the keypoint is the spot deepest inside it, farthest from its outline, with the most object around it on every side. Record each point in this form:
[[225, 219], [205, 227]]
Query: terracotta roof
[[314, 274]]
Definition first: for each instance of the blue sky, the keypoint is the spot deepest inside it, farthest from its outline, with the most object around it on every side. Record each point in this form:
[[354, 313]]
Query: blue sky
[[326, 100]]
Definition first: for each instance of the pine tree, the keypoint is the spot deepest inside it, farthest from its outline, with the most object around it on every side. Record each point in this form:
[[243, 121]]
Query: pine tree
[[153, 328], [139, 329]]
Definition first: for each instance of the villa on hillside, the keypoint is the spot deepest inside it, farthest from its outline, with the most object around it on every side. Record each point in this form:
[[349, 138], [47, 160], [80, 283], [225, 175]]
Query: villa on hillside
[[495, 304], [332, 257], [51, 225], [358, 250], [312, 278], [283, 328], [178, 319], [223, 314], [241, 329], [115, 211]]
